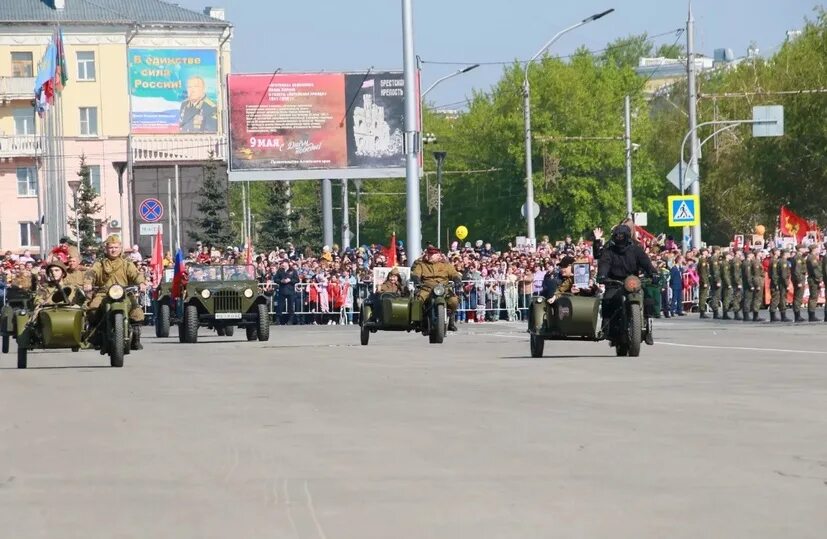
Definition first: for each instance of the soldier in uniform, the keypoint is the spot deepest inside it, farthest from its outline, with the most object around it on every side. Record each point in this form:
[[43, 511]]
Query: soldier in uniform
[[775, 278], [703, 277], [115, 269], [749, 286], [55, 275], [757, 286], [783, 283], [715, 280], [198, 113], [824, 274], [392, 284], [26, 279], [726, 285], [737, 283], [75, 276], [814, 278], [799, 277], [433, 269]]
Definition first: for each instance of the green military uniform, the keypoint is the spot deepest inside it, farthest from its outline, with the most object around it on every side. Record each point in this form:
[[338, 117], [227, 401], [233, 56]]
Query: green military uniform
[[389, 287], [715, 280], [783, 282], [737, 285], [757, 288], [431, 274], [27, 280], [814, 277], [75, 277], [50, 292], [775, 283], [198, 117], [107, 272], [726, 287], [824, 274], [799, 277], [749, 287], [703, 286]]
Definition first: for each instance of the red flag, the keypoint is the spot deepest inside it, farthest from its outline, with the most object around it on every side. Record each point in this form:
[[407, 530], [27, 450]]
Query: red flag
[[793, 224], [644, 236], [157, 261], [390, 252]]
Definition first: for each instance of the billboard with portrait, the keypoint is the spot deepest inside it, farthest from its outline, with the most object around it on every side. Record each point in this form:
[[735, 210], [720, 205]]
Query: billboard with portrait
[[316, 125], [173, 91]]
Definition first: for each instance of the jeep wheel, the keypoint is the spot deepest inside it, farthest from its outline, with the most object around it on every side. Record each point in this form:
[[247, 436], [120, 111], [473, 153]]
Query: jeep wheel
[[5, 343], [221, 331], [229, 331], [263, 326], [162, 321], [191, 324], [22, 357], [252, 333]]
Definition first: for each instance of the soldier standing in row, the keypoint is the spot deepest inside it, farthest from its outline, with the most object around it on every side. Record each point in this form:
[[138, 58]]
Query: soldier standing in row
[[737, 283], [779, 279], [799, 273], [824, 275], [715, 280], [814, 277], [726, 285], [703, 277], [749, 287], [757, 286]]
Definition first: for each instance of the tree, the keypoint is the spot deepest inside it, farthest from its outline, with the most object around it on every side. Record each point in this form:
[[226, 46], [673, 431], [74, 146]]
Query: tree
[[626, 51], [307, 205], [212, 225], [276, 226], [87, 208]]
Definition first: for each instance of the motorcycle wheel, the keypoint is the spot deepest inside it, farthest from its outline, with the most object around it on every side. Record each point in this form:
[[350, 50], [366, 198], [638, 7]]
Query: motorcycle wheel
[[437, 334], [229, 331], [635, 330], [22, 357], [537, 345], [181, 333], [162, 321], [116, 347], [622, 350], [191, 324], [364, 333], [5, 344], [263, 329]]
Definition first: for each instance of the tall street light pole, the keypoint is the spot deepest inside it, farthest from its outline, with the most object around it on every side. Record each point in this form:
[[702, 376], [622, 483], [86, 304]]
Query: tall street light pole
[[74, 185], [529, 205], [440, 159], [412, 142]]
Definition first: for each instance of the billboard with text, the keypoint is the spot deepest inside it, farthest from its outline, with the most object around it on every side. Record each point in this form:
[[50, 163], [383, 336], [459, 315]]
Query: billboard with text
[[316, 125]]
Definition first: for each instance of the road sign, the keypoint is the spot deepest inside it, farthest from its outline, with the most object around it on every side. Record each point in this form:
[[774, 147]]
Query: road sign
[[684, 210], [773, 116], [674, 176], [536, 210], [641, 218], [150, 229], [151, 210]]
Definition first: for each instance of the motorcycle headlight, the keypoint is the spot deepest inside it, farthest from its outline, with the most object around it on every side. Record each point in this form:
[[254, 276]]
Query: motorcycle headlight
[[115, 292], [248, 293], [539, 299], [632, 283], [439, 290], [205, 294]]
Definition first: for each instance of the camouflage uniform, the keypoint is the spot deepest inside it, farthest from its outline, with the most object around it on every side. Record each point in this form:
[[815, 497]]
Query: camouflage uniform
[[783, 283], [757, 288], [715, 280], [726, 285], [749, 286], [703, 286], [799, 277], [737, 284], [814, 278]]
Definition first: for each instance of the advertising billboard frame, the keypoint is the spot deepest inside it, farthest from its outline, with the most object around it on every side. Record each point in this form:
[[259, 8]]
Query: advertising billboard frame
[[391, 165]]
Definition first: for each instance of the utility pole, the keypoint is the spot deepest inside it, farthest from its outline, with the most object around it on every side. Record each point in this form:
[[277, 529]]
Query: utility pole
[[414, 218], [345, 217], [628, 137], [327, 212], [693, 116], [440, 159]]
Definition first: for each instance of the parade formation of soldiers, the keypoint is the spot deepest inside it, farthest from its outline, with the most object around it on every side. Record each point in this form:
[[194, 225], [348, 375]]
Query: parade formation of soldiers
[[734, 282]]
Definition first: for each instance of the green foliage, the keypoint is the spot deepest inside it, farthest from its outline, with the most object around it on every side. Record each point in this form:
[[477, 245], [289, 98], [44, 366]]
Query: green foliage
[[626, 51], [88, 207], [276, 223], [212, 225], [307, 204]]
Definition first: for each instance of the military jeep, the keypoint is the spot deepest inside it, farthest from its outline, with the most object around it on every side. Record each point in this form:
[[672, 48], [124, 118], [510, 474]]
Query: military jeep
[[216, 297]]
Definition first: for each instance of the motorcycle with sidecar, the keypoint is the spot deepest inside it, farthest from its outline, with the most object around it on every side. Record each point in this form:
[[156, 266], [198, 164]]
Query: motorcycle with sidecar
[[581, 318], [391, 312], [17, 299]]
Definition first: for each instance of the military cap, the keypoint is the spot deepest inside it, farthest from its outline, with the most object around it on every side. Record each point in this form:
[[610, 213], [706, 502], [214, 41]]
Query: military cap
[[73, 252], [716, 248], [56, 263], [112, 238]]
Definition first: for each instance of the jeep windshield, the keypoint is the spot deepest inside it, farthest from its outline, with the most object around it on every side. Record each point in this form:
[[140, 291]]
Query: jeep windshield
[[202, 273]]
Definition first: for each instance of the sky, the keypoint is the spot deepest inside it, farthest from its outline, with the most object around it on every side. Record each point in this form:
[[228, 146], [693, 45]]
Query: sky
[[338, 35]]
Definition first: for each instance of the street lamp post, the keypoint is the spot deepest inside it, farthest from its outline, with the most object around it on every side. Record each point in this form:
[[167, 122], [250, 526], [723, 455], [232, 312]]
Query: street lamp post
[[440, 159], [527, 119], [74, 185]]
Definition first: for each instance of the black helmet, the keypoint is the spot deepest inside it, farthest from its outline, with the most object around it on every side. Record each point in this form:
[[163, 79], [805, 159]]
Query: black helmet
[[622, 235]]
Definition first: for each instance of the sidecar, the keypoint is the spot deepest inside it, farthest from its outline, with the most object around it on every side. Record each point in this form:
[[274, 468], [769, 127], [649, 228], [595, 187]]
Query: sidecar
[[17, 299], [569, 318]]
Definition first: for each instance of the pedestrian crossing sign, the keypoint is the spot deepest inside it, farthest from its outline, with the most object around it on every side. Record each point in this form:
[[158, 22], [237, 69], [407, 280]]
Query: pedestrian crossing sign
[[684, 210]]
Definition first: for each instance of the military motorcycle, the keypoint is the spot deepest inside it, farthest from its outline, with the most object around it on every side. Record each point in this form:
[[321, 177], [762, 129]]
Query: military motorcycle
[[56, 325], [17, 299], [388, 312], [112, 334], [581, 318]]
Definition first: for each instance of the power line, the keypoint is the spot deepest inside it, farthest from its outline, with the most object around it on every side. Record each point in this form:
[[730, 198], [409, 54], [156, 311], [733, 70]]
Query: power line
[[762, 93]]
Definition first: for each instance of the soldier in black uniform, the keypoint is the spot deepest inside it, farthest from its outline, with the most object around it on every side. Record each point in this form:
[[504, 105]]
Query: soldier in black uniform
[[199, 113]]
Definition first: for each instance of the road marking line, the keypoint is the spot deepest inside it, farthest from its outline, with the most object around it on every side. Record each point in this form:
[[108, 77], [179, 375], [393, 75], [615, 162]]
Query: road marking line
[[289, 512], [745, 348]]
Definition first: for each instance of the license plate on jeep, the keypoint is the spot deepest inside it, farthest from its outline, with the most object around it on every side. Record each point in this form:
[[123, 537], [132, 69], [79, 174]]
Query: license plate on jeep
[[227, 316]]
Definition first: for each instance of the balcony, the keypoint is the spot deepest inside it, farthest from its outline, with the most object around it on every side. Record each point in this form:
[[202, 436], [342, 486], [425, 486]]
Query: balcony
[[14, 88], [21, 146], [177, 148]]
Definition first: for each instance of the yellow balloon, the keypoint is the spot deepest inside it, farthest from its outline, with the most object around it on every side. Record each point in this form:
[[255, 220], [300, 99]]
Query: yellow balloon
[[760, 229], [461, 232]]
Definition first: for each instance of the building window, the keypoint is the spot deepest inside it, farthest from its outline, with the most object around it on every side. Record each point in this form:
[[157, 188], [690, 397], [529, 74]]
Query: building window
[[86, 65], [95, 178], [26, 182], [88, 121], [22, 64], [23, 121], [29, 234]]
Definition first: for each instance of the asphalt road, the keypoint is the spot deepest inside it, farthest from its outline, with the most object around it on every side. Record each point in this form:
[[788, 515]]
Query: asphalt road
[[717, 431]]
